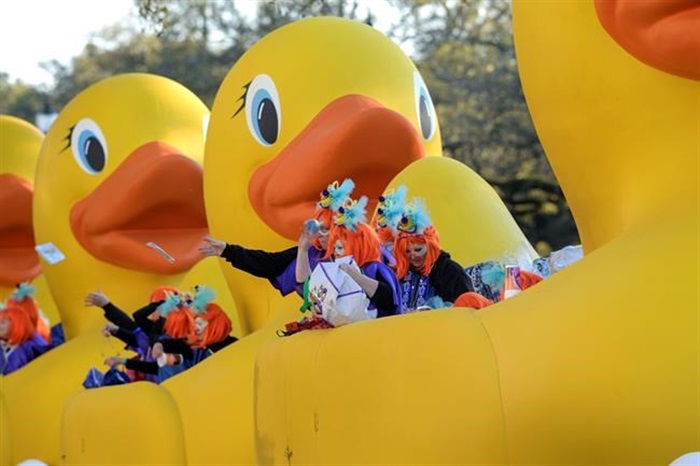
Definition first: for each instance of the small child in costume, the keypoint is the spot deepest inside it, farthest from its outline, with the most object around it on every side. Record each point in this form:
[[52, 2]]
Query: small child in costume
[[212, 328], [429, 277], [353, 236], [145, 329], [19, 341], [23, 298]]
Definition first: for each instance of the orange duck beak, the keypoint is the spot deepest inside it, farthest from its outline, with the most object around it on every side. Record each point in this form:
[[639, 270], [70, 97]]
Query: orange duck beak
[[155, 195], [19, 261], [353, 137], [660, 33]]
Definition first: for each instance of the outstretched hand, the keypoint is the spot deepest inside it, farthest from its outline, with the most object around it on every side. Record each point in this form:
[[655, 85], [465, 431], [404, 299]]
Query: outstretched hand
[[113, 361], [98, 298], [157, 350], [109, 329], [212, 247], [305, 240]]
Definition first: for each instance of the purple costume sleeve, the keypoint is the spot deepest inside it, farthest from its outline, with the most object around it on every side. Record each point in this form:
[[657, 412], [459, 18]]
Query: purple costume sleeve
[[387, 257], [286, 282], [24, 353], [142, 344], [373, 270]]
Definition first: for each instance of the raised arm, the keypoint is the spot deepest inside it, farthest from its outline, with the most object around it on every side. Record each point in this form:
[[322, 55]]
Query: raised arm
[[303, 267], [368, 285]]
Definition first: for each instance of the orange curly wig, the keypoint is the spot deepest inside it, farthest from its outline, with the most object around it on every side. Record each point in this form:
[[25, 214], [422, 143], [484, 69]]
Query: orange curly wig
[[404, 241]]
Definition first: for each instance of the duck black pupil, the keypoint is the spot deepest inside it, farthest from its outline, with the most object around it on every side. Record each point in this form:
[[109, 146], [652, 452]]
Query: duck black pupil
[[267, 121], [94, 154], [425, 122]]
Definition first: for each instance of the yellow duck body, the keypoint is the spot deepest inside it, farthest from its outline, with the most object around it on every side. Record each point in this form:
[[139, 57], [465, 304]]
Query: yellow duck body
[[20, 144], [598, 364]]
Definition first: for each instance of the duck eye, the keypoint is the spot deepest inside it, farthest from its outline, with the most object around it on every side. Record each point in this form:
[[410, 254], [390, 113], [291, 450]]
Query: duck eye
[[424, 107], [89, 146], [263, 112]]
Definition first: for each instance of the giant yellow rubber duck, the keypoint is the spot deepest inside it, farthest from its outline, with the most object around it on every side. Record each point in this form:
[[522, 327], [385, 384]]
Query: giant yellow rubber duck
[[598, 364], [120, 166], [349, 104], [114, 176], [20, 143]]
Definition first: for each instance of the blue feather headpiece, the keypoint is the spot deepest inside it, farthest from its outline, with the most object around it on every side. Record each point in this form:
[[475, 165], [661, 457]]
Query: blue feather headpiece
[[201, 296], [390, 207], [352, 213], [24, 291], [415, 218], [172, 302], [334, 196]]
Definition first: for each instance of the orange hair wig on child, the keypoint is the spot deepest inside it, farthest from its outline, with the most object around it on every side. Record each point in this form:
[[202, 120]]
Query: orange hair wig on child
[[528, 279], [22, 298], [385, 234], [160, 293], [28, 305], [179, 323], [218, 328], [21, 327], [404, 241], [324, 216], [472, 300], [362, 244]]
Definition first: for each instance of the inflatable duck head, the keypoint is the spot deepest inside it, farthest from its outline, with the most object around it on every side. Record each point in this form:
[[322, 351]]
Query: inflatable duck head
[[120, 168], [314, 101], [619, 128], [20, 143]]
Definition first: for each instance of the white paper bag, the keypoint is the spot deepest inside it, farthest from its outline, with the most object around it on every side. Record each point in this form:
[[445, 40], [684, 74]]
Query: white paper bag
[[339, 297]]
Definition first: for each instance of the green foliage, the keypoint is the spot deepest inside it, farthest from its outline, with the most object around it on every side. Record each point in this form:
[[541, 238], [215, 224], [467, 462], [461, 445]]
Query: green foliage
[[463, 48], [20, 99]]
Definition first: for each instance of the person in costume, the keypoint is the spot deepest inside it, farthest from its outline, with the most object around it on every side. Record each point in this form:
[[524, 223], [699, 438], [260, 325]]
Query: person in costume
[[352, 236], [212, 328], [389, 210], [23, 298], [278, 267], [19, 341], [166, 316], [429, 277]]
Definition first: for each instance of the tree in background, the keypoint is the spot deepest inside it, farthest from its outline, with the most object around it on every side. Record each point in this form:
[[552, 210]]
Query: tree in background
[[20, 99], [464, 50]]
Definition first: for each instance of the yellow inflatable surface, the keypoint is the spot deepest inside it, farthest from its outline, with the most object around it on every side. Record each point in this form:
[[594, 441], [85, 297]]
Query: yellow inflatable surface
[[597, 365], [20, 143], [119, 167]]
